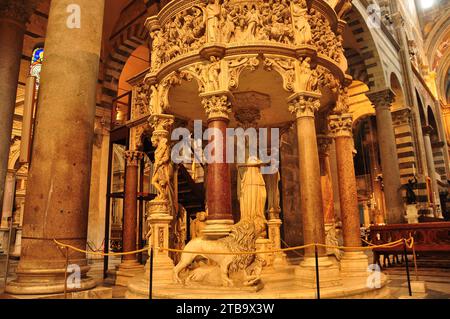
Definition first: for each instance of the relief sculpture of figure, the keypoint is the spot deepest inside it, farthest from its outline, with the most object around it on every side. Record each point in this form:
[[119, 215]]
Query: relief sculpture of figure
[[197, 225], [162, 170], [303, 34], [213, 12], [305, 75], [253, 20], [213, 74]]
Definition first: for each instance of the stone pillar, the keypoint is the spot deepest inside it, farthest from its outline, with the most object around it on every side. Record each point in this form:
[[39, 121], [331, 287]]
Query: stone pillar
[[353, 262], [303, 106], [382, 101], [323, 143], [57, 198], [218, 179], [13, 16], [130, 266], [377, 203], [158, 213], [427, 130], [7, 209]]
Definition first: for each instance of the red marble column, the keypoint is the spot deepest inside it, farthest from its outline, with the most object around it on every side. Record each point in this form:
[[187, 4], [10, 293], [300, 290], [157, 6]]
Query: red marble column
[[341, 126], [354, 262], [133, 159], [218, 177], [130, 266]]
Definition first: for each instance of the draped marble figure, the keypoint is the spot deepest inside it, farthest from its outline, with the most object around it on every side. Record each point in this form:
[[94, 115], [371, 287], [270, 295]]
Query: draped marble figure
[[253, 193]]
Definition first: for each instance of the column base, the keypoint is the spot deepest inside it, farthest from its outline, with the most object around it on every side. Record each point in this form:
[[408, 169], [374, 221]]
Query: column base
[[264, 244], [43, 282], [354, 264], [4, 236], [127, 270], [139, 286], [162, 270], [216, 229], [329, 276], [279, 260]]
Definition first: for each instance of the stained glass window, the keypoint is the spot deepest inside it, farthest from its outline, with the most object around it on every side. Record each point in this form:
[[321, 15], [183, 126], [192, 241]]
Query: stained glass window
[[36, 63]]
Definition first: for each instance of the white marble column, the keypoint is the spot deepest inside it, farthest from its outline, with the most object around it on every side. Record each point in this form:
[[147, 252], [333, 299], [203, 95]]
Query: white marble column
[[427, 130], [382, 101]]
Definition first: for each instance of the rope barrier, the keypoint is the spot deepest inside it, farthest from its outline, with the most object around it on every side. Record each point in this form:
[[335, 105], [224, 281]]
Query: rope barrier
[[62, 245], [409, 241]]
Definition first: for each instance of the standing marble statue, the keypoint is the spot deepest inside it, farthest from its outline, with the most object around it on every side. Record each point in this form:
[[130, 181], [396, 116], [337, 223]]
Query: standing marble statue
[[253, 193], [213, 12], [302, 33]]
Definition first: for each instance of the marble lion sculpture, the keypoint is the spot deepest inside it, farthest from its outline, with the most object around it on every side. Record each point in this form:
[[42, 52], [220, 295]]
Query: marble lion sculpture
[[241, 239]]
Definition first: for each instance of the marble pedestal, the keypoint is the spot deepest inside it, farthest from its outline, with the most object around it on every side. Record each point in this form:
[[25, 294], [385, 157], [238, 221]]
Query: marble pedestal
[[412, 214], [329, 276], [127, 270], [354, 264]]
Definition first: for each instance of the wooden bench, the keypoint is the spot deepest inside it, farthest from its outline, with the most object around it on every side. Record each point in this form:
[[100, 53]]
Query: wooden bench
[[429, 238]]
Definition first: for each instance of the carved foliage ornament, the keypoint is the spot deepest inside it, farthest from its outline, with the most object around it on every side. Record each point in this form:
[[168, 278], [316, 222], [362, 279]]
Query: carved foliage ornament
[[217, 106], [341, 125], [133, 157], [141, 102], [382, 99], [304, 105]]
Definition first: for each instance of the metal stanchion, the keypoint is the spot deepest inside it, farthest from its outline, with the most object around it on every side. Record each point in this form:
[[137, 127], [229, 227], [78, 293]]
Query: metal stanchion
[[150, 292], [316, 253], [407, 267]]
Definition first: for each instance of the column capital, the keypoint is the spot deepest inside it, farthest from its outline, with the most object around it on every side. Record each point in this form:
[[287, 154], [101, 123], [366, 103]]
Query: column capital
[[381, 99], [304, 104], [341, 125], [133, 157], [427, 130], [161, 124], [18, 10], [401, 116], [323, 144], [217, 105]]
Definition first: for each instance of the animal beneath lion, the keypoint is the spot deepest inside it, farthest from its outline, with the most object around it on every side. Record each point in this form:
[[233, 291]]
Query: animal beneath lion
[[242, 239]]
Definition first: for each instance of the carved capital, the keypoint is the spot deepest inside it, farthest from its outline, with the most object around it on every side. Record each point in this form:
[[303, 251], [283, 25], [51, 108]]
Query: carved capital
[[323, 144], [382, 99], [18, 10], [161, 124], [401, 117], [341, 125], [217, 105], [247, 117], [427, 130], [304, 104], [133, 157]]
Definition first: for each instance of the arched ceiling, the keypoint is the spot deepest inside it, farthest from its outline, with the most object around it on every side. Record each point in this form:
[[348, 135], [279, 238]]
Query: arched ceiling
[[436, 31]]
